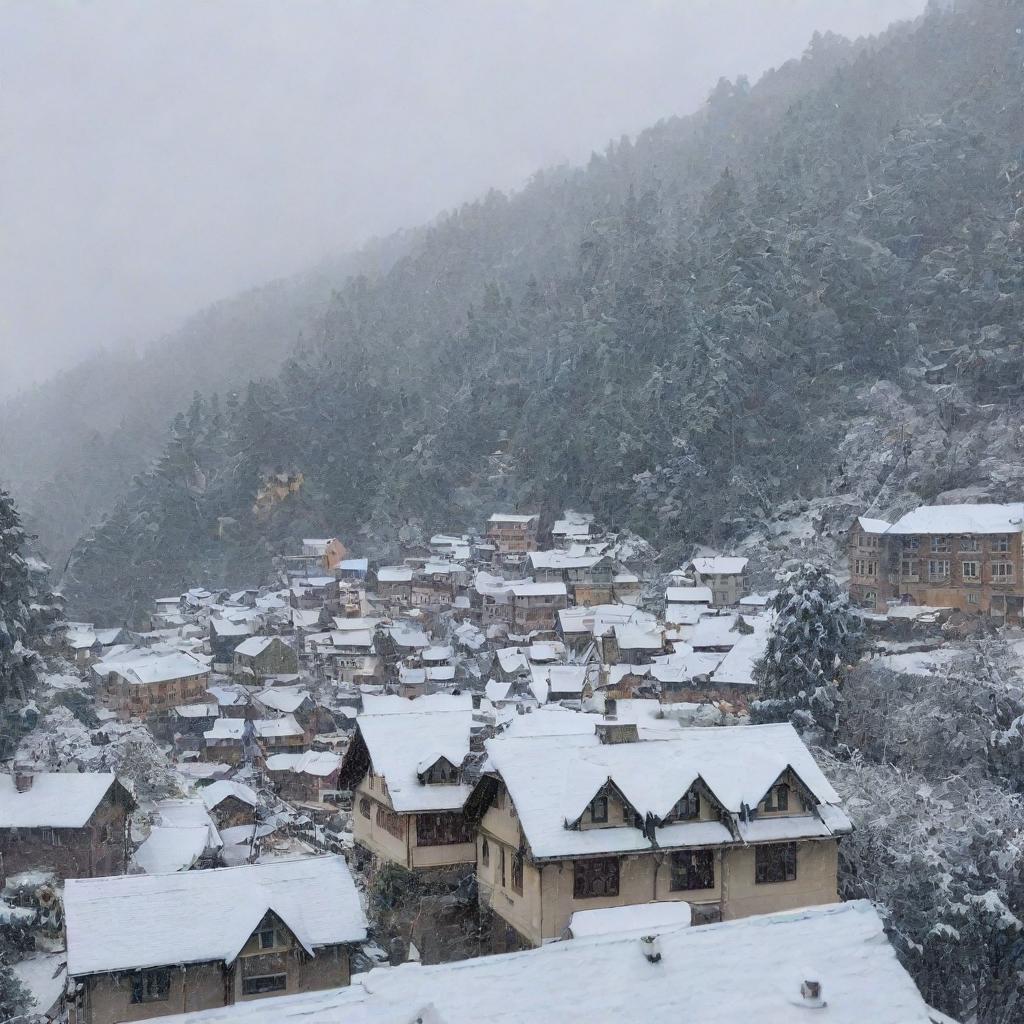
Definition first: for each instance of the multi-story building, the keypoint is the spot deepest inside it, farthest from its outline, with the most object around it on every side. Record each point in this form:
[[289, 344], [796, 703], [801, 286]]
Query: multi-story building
[[535, 606], [513, 536], [966, 557], [726, 575], [588, 578], [733, 821], [139, 683]]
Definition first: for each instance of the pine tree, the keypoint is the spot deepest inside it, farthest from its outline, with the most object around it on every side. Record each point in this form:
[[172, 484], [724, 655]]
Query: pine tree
[[16, 590], [813, 640]]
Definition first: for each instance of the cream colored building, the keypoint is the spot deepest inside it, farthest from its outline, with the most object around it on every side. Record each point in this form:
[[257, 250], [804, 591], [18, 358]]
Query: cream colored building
[[142, 946], [734, 821], [405, 771]]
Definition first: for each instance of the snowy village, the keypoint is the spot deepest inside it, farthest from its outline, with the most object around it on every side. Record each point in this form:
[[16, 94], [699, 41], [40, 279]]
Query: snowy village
[[355, 790]]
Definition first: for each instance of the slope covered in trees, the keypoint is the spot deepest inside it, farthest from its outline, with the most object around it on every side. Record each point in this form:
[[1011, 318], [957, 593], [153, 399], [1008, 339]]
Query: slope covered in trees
[[678, 336]]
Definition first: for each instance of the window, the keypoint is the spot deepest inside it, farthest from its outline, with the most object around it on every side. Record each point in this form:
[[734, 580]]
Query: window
[[693, 869], [446, 829], [595, 878], [940, 544], [268, 938], [775, 863], [151, 986], [908, 569], [872, 568], [938, 569], [972, 597], [858, 567], [969, 544], [264, 983], [441, 772], [687, 808], [777, 798], [364, 806], [517, 873], [390, 822], [914, 544], [599, 809], [1000, 544], [485, 852], [503, 866], [1002, 572], [970, 570]]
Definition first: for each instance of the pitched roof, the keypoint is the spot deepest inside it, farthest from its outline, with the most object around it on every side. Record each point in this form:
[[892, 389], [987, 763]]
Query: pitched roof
[[749, 970], [942, 519], [283, 698], [551, 779], [641, 918], [499, 517], [539, 590], [55, 800], [133, 921], [398, 743], [873, 525], [688, 595], [255, 645], [143, 668], [219, 791], [392, 704], [313, 762], [720, 565]]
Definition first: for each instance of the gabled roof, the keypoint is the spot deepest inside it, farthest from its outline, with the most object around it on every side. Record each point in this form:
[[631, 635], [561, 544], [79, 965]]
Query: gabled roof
[[217, 792], [551, 779], [500, 517], [394, 574], [256, 645], [143, 668], [392, 704], [873, 525], [134, 921], [286, 699], [688, 595], [56, 799], [720, 565], [539, 590], [397, 744], [320, 763], [746, 970]]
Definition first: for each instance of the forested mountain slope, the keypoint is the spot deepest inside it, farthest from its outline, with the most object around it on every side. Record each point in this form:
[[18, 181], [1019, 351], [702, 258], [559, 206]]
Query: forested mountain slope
[[679, 336]]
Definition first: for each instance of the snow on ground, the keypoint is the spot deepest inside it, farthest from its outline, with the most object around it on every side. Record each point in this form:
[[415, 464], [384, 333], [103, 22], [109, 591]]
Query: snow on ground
[[922, 663], [44, 975]]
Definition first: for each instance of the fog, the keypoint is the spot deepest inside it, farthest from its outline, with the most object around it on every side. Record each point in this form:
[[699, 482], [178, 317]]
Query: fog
[[160, 155]]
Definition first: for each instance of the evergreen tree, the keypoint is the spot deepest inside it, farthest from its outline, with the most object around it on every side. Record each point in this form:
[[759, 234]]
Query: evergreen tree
[[813, 640], [16, 589]]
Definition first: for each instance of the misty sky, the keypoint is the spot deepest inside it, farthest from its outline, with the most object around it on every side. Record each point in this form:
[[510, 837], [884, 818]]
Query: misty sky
[[160, 154]]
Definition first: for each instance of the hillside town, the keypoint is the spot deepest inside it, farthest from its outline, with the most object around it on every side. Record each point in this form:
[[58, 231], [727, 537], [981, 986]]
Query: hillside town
[[522, 742]]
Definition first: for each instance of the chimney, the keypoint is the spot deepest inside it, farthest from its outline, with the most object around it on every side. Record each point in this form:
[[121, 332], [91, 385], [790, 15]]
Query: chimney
[[810, 994], [23, 778]]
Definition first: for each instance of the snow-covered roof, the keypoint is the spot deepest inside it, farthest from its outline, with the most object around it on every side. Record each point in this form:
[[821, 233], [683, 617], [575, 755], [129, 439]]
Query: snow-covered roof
[[81, 639], [539, 590], [746, 970], [873, 525], [227, 696], [219, 791], [352, 638], [286, 699], [946, 519], [313, 762], [684, 614], [398, 743], [197, 710], [172, 848], [272, 727], [551, 779], [688, 595], [511, 660], [720, 565], [134, 921], [562, 560], [632, 637], [557, 679], [683, 667], [715, 631], [500, 517], [737, 667], [436, 654], [354, 564], [226, 627], [545, 652], [635, 918], [496, 691], [55, 799], [226, 729], [255, 645], [392, 704], [568, 528], [394, 574], [408, 636], [143, 668]]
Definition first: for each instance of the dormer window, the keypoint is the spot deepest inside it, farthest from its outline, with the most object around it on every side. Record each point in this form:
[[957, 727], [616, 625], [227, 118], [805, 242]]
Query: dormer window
[[777, 798], [687, 808], [599, 810]]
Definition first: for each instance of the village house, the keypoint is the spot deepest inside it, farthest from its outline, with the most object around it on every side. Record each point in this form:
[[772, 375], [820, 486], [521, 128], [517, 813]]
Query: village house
[[572, 528], [225, 636], [284, 735], [966, 557], [319, 554], [261, 656], [230, 803], [490, 599], [725, 575], [535, 606], [588, 578], [394, 584], [733, 821], [183, 837], [830, 964], [307, 777], [513, 536], [143, 946], [404, 770], [557, 683], [229, 740], [72, 823], [314, 592], [142, 682]]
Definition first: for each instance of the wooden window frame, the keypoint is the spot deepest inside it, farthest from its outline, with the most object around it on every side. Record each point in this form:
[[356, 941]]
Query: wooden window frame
[[775, 863], [443, 828], [602, 802], [597, 878], [692, 870], [253, 987]]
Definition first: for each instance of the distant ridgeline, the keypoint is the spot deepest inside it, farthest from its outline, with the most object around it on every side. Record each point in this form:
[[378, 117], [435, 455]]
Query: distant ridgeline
[[676, 336]]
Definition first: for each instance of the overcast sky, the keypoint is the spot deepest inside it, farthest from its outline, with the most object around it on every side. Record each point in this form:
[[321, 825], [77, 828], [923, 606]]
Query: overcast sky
[[157, 155]]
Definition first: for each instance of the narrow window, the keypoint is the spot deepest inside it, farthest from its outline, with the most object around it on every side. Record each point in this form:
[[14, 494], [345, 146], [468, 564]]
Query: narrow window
[[268, 938], [599, 809], [485, 852], [687, 808], [151, 986], [517, 873]]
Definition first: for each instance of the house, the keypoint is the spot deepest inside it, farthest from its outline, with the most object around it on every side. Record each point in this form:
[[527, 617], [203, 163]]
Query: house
[[225, 636], [262, 656], [143, 946], [394, 583], [405, 771], [535, 606], [144, 682], [353, 568], [229, 741], [556, 683], [966, 557], [588, 578], [230, 803], [725, 575], [636, 643], [734, 821], [513, 536], [183, 837], [490, 599], [688, 595], [284, 735], [753, 970], [284, 700], [323, 553], [73, 823], [304, 777], [572, 528]]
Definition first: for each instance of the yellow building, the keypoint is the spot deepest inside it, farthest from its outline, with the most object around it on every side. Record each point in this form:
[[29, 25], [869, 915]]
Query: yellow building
[[404, 769], [734, 821]]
